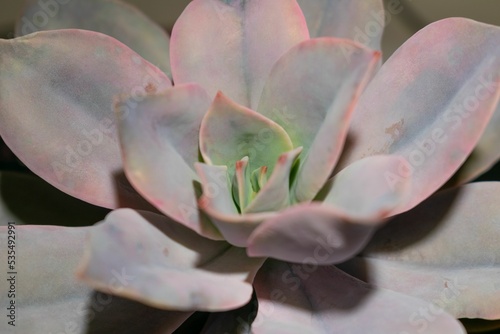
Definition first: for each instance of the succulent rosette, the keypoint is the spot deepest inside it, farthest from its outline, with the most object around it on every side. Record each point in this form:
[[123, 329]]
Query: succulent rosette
[[257, 130]]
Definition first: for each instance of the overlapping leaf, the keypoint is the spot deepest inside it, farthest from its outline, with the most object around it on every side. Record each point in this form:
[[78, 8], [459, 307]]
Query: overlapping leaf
[[445, 251], [57, 91], [111, 17]]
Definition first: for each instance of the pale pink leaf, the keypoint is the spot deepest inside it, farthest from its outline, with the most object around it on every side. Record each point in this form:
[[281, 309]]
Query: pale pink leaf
[[159, 138], [361, 21], [165, 265], [295, 299], [111, 17], [309, 233], [311, 92], [430, 103], [230, 46], [49, 298], [367, 191], [56, 109], [444, 251]]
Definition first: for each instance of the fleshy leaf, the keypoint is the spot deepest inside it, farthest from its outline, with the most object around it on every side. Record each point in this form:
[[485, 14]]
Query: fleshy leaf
[[56, 109], [308, 230], [231, 45], [28, 200], [485, 154], [430, 107], [50, 300], [176, 269], [230, 132], [259, 178], [275, 194], [159, 138], [216, 189], [361, 21], [367, 191], [217, 202], [311, 93], [296, 299], [110, 17], [241, 187], [444, 251]]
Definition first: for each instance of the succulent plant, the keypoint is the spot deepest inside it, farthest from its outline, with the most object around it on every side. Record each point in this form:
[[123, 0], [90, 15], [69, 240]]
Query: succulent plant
[[262, 148]]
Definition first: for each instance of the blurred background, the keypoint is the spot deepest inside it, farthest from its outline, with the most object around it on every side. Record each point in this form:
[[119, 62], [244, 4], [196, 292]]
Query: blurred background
[[415, 15]]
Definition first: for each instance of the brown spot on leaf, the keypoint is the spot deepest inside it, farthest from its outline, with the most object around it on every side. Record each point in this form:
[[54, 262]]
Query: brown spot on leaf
[[165, 251], [396, 129], [151, 88]]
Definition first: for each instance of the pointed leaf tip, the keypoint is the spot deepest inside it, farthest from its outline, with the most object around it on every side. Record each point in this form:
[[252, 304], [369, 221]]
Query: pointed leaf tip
[[230, 132]]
